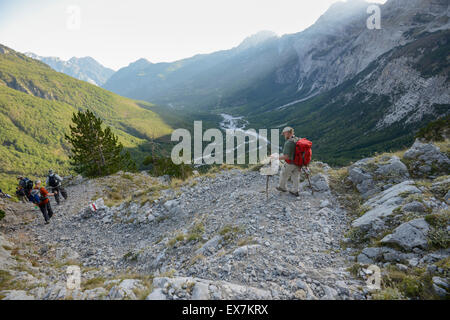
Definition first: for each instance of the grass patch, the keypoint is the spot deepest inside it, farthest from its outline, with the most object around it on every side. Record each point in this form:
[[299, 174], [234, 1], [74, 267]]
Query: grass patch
[[196, 232], [388, 294], [356, 236], [414, 284], [354, 270], [179, 237], [230, 232], [5, 280], [246, 241], [93, 283], [438, 236]]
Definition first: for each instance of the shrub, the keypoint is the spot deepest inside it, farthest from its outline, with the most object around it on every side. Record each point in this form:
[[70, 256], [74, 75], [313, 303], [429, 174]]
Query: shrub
[[165, 166], [435, 130]]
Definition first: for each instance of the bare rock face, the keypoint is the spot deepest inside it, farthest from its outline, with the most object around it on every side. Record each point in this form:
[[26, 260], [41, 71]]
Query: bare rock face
[[426, 160]]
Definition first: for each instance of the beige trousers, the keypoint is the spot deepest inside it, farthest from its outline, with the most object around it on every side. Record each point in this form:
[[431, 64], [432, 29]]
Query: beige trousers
[[290, 171]]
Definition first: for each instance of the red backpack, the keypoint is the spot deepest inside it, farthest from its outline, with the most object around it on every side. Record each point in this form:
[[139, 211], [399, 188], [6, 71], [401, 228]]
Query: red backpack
[[303, 153]]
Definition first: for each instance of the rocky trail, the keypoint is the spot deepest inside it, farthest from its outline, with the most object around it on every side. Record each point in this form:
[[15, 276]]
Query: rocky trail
[[221, 229], [216, 236]]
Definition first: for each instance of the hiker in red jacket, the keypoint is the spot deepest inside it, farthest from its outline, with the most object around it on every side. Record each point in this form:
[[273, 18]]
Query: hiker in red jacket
[[44, 203]]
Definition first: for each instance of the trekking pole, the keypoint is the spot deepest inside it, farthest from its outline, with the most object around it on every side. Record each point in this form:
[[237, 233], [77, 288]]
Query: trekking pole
[[267, 188], [309, 180]]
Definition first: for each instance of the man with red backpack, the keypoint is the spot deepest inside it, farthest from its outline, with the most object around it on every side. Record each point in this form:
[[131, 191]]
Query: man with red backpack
[[297, 153]]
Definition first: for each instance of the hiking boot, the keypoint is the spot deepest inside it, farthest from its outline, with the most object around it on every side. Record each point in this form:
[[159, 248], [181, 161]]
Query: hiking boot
[[280, 189], [47, 222], [294, 193]]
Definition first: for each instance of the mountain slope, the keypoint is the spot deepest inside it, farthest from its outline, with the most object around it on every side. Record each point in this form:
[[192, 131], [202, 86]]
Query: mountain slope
[[353, 90], [86, 68], [36, 105], [380, 109], [276, 71]]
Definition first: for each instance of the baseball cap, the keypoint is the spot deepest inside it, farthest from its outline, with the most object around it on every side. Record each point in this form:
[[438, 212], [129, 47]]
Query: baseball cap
[[287, 129]]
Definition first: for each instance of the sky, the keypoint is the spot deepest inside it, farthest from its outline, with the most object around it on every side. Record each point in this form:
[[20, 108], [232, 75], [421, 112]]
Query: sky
[[118, 32]]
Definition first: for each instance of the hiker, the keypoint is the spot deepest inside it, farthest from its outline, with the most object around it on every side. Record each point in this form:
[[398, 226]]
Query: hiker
[[54, 181], [297, 153], [290, 170], [20, 193], [25, 184], [39, 197]]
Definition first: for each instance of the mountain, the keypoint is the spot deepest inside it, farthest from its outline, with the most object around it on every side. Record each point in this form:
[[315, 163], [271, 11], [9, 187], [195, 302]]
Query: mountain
[[324, 80], [86, 68], [36, 106]]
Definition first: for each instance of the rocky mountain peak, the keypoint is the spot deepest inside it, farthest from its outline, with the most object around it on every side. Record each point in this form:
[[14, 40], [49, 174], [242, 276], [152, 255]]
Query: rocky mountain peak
[[140, 63], [257, 39], [84, 68]]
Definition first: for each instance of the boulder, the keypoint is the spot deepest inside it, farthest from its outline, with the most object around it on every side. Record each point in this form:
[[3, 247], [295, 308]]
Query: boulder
[[210, 246], [371, 175], [173, 206], [383, 205], [392, 168], [441, 187], [414, 206], [441, 286], [409, 235], [320, 183], [369, 255], [200, 291], [426, 160], [245, 250], [156, 294]]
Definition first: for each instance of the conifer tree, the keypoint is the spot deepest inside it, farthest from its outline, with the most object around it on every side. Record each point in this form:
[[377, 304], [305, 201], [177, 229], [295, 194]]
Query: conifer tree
[[96, 151]]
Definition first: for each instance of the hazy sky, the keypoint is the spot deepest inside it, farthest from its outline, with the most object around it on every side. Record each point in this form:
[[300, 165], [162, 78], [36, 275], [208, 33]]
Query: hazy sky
[[119, 32]]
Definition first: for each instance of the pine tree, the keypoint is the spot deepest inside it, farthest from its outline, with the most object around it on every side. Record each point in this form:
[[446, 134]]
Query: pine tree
[[96, 152]]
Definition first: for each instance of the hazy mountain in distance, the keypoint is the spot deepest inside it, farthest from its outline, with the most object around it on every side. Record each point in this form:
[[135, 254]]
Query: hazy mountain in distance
[[86, 68]]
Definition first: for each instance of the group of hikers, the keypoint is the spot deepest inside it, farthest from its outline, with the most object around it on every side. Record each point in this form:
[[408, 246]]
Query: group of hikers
[[39, 195]]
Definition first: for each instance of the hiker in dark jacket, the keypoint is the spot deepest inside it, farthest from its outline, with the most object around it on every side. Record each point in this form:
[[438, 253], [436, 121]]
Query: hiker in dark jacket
[[21, 194], [25, 184], [44, 203], [54, 182]]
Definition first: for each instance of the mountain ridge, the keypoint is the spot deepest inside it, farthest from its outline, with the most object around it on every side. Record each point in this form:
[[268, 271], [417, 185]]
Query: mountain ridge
[[36, 106], [84, 68]]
